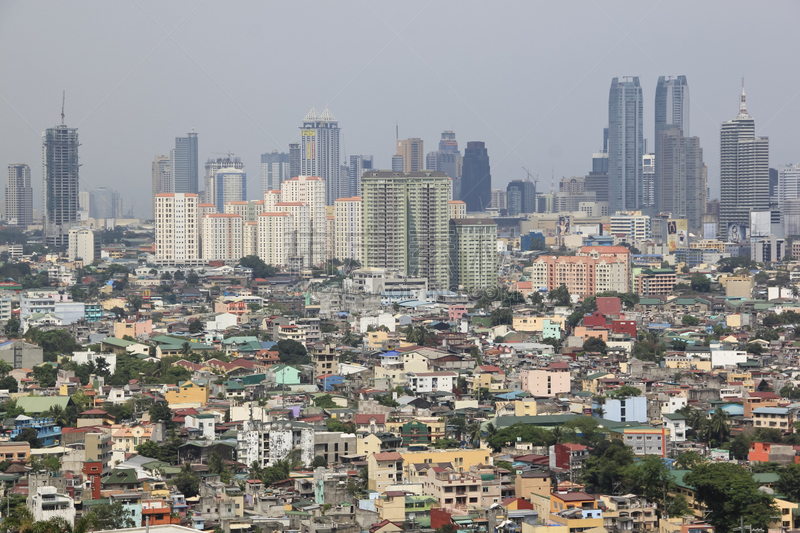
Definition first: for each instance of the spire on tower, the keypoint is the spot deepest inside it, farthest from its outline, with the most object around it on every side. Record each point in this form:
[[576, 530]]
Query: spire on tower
[[742, 105], [63, 97]]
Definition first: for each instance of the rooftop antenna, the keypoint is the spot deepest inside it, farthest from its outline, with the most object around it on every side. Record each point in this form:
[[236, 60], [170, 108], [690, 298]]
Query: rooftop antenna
[[397, 130], [64, 97]]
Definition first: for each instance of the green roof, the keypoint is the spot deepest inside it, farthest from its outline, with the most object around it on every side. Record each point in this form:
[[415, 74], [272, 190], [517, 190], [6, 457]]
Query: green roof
[[233, 385], [596, 375], [649, 301], [239, 340], [121, 475], [501, 422], [120, 343], [674, 416], [766, 477], [40, 404], [253, 379]]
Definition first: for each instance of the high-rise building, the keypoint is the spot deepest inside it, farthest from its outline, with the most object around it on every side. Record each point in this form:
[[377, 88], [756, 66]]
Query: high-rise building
[[473, 254], [247, 209], [19, 195], [448, 160], [310, 191], [521, 197], [229, 185], [788, 187], [209, 195], [82, 245], [412, 151], [597, 180], [294, 159], [476, 177], [499, 199], [406, 223], [625, 144], [319, 151], [275, 169], [161, 176], [177, 229], [648, 182], [299, 255], [61, 180], [104, 203], [276, 234], [358, 165], [222, 237], [185, 164], [348, 229], [249, 238], [672, 104], [744, 171], [679, 183], [397, 163], [458, 209]]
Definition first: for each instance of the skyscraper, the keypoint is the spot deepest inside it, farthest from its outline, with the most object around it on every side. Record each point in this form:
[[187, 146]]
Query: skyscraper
[[229, 185], [397, 163], [61, 180], [672, 103], [161, 176], [177, 229], [19, 195], [104, 203], [448, 160], [744, 172], [648, 182], [275, 169], [476, 177], [294, 160], [521, 197], [319, 151], [473, 254], [358, 165], [406, 221], [184, 164], [213, 166], [625, 144], [412, 151]]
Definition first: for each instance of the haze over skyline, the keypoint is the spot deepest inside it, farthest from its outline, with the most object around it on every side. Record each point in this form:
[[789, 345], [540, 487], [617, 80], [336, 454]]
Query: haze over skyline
[[530, 81]]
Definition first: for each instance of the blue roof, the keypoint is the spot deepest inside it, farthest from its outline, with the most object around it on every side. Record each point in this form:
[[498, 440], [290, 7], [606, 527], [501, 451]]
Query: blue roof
[[509, 395], [268, 345], [771, 410], [732, 409], [392, 353]]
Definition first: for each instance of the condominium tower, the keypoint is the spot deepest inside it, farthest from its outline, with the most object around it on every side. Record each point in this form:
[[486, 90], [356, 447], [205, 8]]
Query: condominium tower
[[184, 164], [744, 171], [476, 177], [625, 144], [473, 254], [161, 176], [319, 152], [448, 160], [406, 222], [275, 169], [177, 229], [412, 151], [19, 195]]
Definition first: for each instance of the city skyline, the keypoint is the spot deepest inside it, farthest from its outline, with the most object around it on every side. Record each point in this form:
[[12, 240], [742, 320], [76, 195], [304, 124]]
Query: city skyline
[[181, 91]]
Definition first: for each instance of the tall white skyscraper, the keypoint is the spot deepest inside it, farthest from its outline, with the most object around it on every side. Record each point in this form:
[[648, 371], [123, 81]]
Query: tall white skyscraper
[[788, 183], [319, 151], [349, 234], [308, 190], [229, 185], [744, 172], [161, 176], [222, 237], [61, 179], [19, 195], [177, 229], [209, 195]]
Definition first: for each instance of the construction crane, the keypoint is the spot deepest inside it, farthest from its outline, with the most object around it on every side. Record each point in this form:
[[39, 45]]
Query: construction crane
[[229, 154], [535, 181]]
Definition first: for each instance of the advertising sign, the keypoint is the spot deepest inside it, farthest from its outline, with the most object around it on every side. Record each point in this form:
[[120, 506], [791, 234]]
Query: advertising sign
[[738, 233], [677, 233], [563, 226]]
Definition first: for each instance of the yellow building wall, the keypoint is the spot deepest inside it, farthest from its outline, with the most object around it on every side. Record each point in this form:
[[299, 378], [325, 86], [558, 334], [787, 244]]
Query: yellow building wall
[[536, 323], [393, 509], [368, 445], [188, 394], [462, 460]]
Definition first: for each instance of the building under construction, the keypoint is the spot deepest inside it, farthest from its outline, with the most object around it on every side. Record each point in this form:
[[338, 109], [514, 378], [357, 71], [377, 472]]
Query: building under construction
[[60, 163]]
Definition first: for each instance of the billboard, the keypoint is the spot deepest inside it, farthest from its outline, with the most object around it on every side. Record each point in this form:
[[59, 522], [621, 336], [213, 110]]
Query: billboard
[[760, 223], [677, 233], [738, 233], [710, 230], [563, 226]]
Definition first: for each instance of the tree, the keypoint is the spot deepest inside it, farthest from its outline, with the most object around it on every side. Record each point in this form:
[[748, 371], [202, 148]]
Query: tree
[[501, 315], [319, 460], [5, 368], [730, 493], [113, 516], [740, 447], [195, 326], [754, 348], [9, 383], [789, 484], [560, 296], [12, 326], [178, 276], [187, 481], [688, 460], [387, 401], [30, 436], [653, 480], [624, 392], [160, 412], [444, 444], [608, 464], [166, 276], [46, 375], [718, 426], [325, 401], [148, 448], [192, 279], [292, 352], [594, 344], [260, 268], [689, 320]]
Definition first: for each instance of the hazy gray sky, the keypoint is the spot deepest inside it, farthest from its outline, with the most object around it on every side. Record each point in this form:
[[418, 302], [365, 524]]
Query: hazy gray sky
[[530, 79]]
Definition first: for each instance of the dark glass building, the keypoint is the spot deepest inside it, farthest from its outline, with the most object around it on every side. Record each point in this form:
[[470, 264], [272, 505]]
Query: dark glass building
[[476, 177]]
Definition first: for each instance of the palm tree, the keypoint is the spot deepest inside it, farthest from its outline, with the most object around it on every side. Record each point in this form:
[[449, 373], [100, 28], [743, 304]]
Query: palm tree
[[186, 349], [58, 415], [475, 433], [718, 426], [215, 464]]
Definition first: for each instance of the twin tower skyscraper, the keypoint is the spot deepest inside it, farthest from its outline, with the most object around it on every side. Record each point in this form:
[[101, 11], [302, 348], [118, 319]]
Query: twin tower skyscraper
[[679, 183]]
